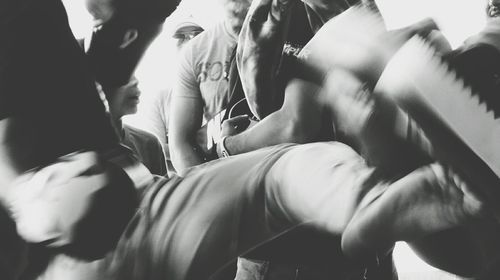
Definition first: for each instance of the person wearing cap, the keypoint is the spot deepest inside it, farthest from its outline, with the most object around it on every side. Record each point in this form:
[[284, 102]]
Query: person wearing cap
[[159, 114], [200, 94]]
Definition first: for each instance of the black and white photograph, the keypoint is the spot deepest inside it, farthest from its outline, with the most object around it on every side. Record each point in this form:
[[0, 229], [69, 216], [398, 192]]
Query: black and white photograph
[[249, 140]]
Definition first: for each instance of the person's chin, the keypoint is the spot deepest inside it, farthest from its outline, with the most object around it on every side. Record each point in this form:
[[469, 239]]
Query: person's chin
[[133, 102], [132, 109]]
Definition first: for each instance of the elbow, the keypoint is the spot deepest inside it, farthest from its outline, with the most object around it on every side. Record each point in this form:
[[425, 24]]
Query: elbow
[[259, 108]]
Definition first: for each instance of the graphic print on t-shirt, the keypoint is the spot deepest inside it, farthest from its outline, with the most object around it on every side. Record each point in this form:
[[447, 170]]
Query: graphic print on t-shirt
[[212, 71]]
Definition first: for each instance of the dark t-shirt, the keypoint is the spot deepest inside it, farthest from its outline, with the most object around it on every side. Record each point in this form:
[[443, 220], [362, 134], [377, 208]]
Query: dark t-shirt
[[147, 147]]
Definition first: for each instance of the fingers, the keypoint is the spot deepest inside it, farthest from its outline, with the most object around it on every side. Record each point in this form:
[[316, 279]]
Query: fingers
[[279, 9]]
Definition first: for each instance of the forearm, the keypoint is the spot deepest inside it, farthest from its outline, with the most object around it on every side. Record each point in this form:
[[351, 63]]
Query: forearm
[[298, 121], [184, 155], [185, 121], [270, 131]]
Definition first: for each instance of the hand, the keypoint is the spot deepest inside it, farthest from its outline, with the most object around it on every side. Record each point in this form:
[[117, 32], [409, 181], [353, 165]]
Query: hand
[[46, 203], [235, 125]]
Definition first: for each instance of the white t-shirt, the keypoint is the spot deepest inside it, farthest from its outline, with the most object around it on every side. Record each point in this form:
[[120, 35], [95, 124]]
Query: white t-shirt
[[203, 74]]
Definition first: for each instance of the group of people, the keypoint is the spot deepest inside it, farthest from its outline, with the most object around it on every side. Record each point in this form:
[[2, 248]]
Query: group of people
[[296, 143]]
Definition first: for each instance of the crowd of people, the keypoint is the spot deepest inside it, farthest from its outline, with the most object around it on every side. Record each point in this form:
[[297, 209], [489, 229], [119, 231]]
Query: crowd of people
[[300, 140]]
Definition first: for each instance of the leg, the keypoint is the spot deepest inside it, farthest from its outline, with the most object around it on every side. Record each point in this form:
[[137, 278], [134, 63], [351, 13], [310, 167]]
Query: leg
[[427, 201]]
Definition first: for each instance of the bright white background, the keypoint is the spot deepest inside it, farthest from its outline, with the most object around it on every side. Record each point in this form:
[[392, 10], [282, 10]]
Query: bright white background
[[458, 19]]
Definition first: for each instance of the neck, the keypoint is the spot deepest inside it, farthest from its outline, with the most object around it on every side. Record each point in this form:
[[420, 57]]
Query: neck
[[118, 125]]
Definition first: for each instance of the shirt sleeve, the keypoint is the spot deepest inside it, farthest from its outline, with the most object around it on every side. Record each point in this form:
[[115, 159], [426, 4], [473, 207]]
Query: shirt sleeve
[[187, 85]]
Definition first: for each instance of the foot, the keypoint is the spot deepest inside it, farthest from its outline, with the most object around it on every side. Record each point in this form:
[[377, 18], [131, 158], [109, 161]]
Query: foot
[[426, 201]]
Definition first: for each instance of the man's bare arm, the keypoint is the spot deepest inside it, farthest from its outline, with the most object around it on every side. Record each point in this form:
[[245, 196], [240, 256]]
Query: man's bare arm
[[185, 120], [298, 121]]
